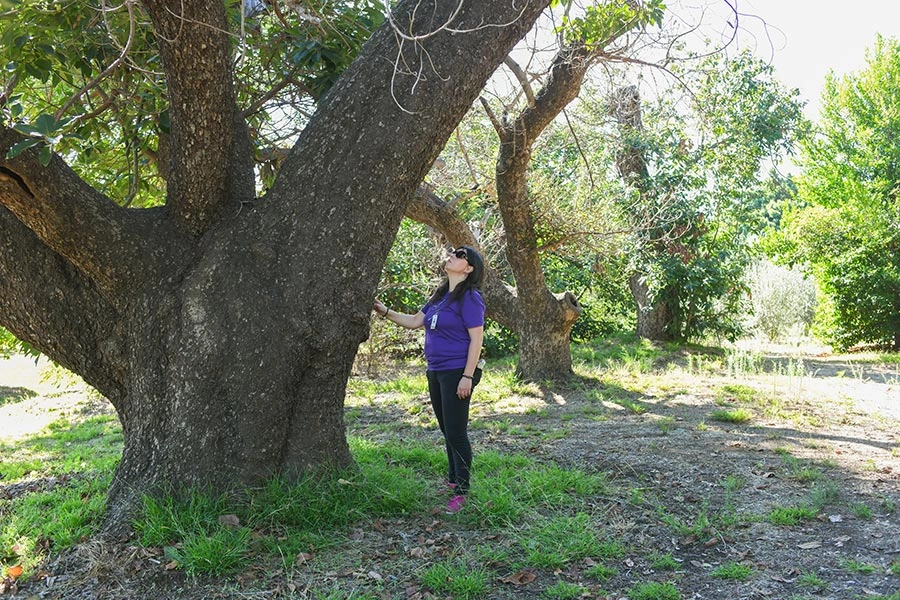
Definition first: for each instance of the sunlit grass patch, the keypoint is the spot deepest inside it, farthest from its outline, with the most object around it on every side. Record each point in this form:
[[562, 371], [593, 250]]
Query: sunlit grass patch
[[736, 416], [94, 444], [736, 393], [57, 519]]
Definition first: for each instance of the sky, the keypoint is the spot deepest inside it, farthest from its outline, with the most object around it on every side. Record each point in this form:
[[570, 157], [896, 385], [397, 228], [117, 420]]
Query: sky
[[809, 38]]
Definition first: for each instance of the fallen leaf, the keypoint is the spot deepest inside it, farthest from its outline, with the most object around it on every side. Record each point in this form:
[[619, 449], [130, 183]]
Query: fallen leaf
[[710, 542], [375, 576], [520, 578], [835, 518], [15, 572], [418, 552], [171, 565], [810, 545], [304, 557]]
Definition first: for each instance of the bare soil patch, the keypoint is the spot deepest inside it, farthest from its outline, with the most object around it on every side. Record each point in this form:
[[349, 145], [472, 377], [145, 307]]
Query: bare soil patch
[[831, 425]]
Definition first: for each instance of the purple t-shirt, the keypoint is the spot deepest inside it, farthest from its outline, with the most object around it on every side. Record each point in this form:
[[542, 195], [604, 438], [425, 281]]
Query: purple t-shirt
[[446, 329]]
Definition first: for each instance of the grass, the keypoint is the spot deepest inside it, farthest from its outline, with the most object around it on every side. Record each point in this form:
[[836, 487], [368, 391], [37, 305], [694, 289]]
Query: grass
[[562, 521], [653, 590], [563, 590], [457, 579], [792, 515], [736, 416], [663, 562], [554, 542], [733, 571]]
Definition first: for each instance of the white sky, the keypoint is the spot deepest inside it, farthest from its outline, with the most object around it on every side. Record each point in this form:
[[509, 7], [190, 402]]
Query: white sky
[[809, 38]]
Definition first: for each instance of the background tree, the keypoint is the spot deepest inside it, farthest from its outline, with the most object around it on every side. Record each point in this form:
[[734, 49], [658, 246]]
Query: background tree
[[222, 327], [844, 223], [697, 186], [543, 320]]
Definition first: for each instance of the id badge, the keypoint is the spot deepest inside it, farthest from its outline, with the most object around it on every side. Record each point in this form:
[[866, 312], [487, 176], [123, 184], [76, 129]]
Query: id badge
[[434, 321]]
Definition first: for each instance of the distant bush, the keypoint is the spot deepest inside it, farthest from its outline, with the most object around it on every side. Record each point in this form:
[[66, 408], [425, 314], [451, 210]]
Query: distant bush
[[783, 301]]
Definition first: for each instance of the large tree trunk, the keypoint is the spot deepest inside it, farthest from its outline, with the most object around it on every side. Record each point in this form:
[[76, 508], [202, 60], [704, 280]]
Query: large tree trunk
[[223, 329], [652, 317]]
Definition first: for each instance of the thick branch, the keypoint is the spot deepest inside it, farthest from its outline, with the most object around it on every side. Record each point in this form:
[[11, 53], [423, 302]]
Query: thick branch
[[567, 74], [109, 244], [41, 295], [210, 169], [373, 138]]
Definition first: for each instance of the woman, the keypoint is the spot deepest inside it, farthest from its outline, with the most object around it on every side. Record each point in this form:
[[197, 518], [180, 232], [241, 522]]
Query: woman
[[454, 328]]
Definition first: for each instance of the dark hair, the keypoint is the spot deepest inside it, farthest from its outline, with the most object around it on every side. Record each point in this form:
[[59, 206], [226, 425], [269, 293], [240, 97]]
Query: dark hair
[[471, 282]]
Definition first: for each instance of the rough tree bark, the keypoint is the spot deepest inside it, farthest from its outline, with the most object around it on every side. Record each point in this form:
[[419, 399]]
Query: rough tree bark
[[221, 327], [652, 313]]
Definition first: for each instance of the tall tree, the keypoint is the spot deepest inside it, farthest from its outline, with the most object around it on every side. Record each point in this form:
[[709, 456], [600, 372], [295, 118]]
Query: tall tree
[[222, 327], [542, 319], [697, 182], [844, 223]]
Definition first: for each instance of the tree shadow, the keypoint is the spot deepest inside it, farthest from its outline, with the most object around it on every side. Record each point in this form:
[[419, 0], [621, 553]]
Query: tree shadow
[[12, 395]]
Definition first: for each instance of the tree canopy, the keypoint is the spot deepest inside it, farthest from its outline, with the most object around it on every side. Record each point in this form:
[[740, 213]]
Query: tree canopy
[[844, 223]]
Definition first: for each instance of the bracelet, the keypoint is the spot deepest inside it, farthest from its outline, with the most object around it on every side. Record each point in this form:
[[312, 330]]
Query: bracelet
[[468, 377], [386, 311]]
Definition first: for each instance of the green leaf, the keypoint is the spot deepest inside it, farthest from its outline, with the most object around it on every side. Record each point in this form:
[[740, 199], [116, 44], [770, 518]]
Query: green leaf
[[21, 147], [45, 155]]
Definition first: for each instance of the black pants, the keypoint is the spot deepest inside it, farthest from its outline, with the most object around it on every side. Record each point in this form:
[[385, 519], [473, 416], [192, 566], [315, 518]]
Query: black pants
[[452, 414]]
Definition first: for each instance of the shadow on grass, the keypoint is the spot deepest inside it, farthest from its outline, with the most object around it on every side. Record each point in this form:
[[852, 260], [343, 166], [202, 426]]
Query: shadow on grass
[[12, 395]]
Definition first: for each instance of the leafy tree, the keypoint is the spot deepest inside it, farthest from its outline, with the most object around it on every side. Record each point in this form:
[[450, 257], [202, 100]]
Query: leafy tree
[[844, 223], [698, 193], [222, 326], [543, 320]]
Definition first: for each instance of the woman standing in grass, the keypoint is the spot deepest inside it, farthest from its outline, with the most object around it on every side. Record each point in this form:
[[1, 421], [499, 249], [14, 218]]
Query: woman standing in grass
[[454, 328]]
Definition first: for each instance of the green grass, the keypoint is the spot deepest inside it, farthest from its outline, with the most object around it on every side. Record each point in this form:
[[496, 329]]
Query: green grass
[[736, 416], [663, 562], [825, 492], [792, 515], [734, 571], [737, 392], [72, 463], [457, 579], [654, 590], [563, 590], [698, 526], [861, 510], [92, 445], [856, 566], [601, 572], [554, 542], [811, 580]]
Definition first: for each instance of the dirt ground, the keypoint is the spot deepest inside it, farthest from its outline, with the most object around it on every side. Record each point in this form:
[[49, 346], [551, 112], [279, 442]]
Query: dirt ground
[[836, 417]]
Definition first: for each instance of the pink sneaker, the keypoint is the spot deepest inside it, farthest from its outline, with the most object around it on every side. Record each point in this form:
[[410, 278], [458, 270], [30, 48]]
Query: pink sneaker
[[455, 505]]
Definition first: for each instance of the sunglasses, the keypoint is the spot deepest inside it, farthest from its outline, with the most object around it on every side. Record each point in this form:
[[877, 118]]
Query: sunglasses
[[460, 253]]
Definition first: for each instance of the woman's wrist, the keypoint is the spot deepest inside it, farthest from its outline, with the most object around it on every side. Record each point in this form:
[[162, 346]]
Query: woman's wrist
[[385, 314], [468, 377]]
